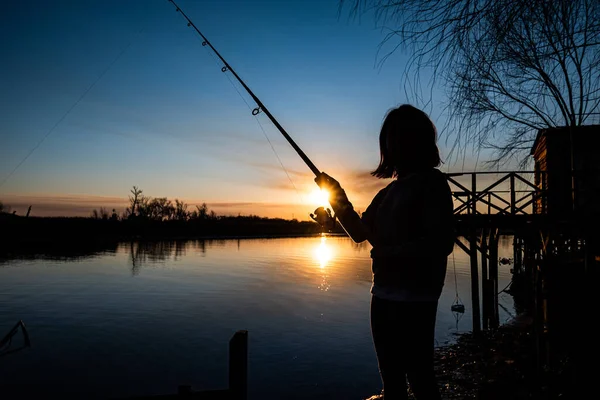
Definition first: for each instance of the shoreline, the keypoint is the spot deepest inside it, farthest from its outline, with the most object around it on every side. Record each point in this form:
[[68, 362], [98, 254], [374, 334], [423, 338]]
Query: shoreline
[[497, 364], [32, 231]]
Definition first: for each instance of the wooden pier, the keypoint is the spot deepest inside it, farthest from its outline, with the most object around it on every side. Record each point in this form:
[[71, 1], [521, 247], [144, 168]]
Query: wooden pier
[[553, 214]]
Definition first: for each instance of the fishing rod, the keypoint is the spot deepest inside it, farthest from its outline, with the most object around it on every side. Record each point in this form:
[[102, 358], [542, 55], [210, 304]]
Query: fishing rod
[[260, 106]]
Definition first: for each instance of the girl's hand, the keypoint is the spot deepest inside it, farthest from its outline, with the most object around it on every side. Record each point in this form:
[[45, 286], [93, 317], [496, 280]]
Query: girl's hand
[[337, 196]]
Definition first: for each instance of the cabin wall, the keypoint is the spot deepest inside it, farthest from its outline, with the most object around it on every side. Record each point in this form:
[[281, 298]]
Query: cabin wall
[[586, 143], [541, 176], [552, 155], [558, 159]]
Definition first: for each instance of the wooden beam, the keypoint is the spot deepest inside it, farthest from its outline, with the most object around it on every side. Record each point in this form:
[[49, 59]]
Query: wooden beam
[[525, 181], [475, 286], [512, 194], [458, 184], [477, 197], [484, 280], [462, 246], [493, 277], [450, 174]]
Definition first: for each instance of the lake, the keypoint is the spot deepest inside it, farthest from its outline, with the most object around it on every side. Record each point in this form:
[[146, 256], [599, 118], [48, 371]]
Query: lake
[[143, 318]]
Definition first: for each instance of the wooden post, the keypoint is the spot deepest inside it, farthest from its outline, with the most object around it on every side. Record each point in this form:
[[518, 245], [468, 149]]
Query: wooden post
[[493, 279], [544, 194], [512, 194], [538, 319], [473, 251], [485, 301], [518, 256], [475, 284], [474, 192], [516, 264], [238, 365]]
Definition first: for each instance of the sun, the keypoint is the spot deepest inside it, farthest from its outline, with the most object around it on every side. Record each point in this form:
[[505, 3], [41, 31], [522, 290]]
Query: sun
[[320, 197]]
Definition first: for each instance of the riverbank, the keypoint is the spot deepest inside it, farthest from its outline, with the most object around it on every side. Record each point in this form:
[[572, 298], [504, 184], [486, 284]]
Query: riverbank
[[28, 232], [498, 364]]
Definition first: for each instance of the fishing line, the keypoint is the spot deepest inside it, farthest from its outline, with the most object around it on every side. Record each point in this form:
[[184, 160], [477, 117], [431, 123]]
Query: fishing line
[[261, 128], [457, 305], [455, 281], [260, 106], [39, 143]]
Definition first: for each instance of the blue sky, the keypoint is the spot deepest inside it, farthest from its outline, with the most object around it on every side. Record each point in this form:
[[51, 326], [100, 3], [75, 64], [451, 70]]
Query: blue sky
[[165, 118]]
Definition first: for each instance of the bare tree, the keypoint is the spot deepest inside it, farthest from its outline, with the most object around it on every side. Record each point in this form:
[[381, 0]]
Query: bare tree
[[157, 208], [5, 208], [134, 199], [103, 213], [509, 67], [202, 211], [180, 212]]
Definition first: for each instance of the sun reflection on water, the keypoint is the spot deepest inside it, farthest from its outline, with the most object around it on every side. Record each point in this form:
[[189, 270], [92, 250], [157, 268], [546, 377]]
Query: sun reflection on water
[[323, 255]]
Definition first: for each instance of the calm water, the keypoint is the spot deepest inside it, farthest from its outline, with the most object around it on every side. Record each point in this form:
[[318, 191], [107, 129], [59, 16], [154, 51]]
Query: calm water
[[145, 318]]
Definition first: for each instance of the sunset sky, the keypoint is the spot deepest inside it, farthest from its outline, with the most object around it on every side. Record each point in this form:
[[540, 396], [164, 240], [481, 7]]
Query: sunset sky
[[165, 118]]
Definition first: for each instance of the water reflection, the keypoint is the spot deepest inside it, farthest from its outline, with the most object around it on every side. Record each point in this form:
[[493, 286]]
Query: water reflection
[[59, 251], [154, 253], [323, 254], [304, 300], [327, 263]]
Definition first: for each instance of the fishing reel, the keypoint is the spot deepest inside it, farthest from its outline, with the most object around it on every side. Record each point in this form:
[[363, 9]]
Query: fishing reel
[[324, 218]]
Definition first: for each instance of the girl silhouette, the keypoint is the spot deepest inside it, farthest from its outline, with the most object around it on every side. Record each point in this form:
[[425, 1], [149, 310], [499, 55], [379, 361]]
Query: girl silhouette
[[410, 226]]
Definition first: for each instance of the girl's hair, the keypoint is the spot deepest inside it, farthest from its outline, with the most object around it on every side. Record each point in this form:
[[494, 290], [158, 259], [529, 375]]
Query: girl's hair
[[407, 143]]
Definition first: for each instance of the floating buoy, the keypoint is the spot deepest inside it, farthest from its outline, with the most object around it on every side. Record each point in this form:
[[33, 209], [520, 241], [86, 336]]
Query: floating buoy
[[457, 307]]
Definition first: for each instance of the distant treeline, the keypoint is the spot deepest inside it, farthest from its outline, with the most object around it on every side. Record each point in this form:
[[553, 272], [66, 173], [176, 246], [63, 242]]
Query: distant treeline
[[156, 209], [146, 218]]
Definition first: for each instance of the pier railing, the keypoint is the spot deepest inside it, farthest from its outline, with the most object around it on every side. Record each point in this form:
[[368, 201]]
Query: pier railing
[[503, 193]]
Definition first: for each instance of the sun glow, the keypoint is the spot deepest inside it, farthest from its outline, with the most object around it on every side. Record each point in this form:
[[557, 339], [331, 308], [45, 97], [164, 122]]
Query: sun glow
[[320, 197]]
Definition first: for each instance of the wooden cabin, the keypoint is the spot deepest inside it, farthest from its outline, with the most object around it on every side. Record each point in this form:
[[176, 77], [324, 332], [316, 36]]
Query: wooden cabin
[[562, 189]]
